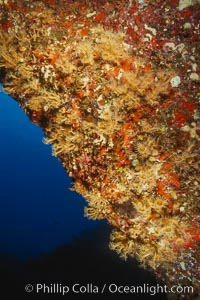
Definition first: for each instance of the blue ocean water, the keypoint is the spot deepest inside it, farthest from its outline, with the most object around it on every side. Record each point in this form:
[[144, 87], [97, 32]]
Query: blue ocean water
[[44, 236], [38, 212]]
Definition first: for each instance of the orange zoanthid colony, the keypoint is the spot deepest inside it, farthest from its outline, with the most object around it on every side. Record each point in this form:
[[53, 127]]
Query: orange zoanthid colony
[[115, 85]]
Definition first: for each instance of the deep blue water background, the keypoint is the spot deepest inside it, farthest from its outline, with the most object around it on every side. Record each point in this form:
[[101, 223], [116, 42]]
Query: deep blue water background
[[44, 236], [38, 212]]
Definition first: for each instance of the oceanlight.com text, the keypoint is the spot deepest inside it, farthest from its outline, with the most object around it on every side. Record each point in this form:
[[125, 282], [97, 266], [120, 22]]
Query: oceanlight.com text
[[111, 288]]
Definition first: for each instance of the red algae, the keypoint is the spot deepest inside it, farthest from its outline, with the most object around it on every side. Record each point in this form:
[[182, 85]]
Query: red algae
[[115, 87]]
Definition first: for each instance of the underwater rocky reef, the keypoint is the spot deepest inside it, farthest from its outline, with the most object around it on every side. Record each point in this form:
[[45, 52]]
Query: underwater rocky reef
[[115, 86]]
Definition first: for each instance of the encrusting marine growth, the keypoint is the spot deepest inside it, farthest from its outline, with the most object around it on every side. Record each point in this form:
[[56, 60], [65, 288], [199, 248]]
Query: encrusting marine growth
[[115, 87]]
